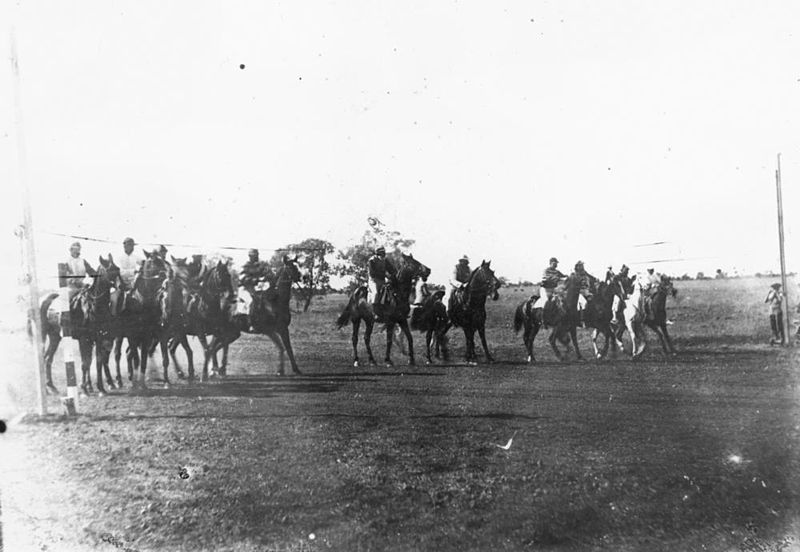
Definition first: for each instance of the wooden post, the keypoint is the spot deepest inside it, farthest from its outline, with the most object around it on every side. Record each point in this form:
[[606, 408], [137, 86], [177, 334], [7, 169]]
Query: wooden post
[[67, 344], [30, 249], [787, 337]]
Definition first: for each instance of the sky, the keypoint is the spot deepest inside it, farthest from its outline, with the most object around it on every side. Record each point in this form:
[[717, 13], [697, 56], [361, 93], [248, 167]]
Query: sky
[[510, 131]]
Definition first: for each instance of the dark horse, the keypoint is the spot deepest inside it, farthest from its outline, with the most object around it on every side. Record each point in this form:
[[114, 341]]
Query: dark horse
[[564, 317], [396, 311], [270, 312], [467, 308], [431, 318], [139, 314], [212, 310], [51, 337], [89, 314]]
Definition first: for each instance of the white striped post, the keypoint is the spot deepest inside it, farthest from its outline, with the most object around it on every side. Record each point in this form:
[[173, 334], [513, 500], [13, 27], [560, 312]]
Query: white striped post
[[71, 400]]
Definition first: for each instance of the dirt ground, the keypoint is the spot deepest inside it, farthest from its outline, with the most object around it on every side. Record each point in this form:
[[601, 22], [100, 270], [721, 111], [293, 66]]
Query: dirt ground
[[693, 452]]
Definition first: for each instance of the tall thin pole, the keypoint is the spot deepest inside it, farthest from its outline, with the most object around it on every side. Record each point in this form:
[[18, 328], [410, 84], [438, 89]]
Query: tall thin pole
[[30, 250], [787, 339]]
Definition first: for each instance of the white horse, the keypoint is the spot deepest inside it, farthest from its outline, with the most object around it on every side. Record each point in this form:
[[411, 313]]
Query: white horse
[[634, 315]]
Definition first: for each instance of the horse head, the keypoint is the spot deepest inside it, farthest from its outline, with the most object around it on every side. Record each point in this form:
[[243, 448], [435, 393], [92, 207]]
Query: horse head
[[289, 273], [411, 268], [666, 286], [108, 272], [483, 281]]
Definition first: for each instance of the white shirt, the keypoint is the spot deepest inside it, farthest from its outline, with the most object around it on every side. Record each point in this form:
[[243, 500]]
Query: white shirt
[[128, 266]]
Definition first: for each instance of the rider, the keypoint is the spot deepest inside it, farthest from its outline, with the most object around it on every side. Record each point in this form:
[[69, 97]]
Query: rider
[[586, 282], [76, 270], [550, 278], [378, 266], [129, 263], [196, 272], [253, 273], [623, 287], [459, 278]]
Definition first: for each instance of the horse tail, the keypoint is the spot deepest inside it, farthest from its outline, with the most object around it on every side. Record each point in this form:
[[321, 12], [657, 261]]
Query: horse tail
[[346, 315], [519, 317]]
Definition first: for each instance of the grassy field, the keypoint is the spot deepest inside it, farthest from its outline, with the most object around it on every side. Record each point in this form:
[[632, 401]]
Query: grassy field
[[696, 452]]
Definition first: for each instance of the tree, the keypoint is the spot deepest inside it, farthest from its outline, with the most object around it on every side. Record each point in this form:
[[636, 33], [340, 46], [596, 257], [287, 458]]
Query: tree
[[312, 258], [353, 260]]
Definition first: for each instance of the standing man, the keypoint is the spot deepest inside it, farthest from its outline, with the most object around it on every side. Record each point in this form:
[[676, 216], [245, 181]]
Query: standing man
[[378, 266], [775, 301], [550, 279], [459, 278], [129, 263]]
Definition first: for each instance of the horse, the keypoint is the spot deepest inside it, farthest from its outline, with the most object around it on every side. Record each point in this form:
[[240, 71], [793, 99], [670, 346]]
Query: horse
[[90, 318], [270, 313], [598, 315], [213, 309], [176, 324], [561, 314], [467, 308], [395, 312], [51, 337], [640, 311], [431, 318], [138, 316]]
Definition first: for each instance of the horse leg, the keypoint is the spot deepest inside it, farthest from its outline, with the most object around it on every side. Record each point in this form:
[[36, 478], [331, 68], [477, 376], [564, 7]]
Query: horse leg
[[356, 325], [389, 334], [207, 350], [428, 339], [173, 348], [573, 334], [55, 339], [145, 349], [276, 339], [117, 356], [668, 339], [369, 325], [482, 333], [469, 337], [163, 341], [86, 347], [552, 340], [103, 354], [407, 332], [224, 368], [287, 342], [533, 331]]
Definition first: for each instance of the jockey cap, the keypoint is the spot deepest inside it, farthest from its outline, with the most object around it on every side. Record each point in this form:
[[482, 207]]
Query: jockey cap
[[253, 252], [775, 286], [380, 250], [553, 260], [464, 257]]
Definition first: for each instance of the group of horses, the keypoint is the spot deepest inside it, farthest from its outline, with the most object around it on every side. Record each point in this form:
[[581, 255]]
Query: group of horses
[[165, 304], [609, 310]]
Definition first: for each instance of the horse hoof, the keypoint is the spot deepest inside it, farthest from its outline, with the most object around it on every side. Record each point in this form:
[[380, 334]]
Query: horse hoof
[[428, 362], [530, 359], [389, 364], [167, 385], [412, 362], [356, 364], [181, 375], [101, 393]]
